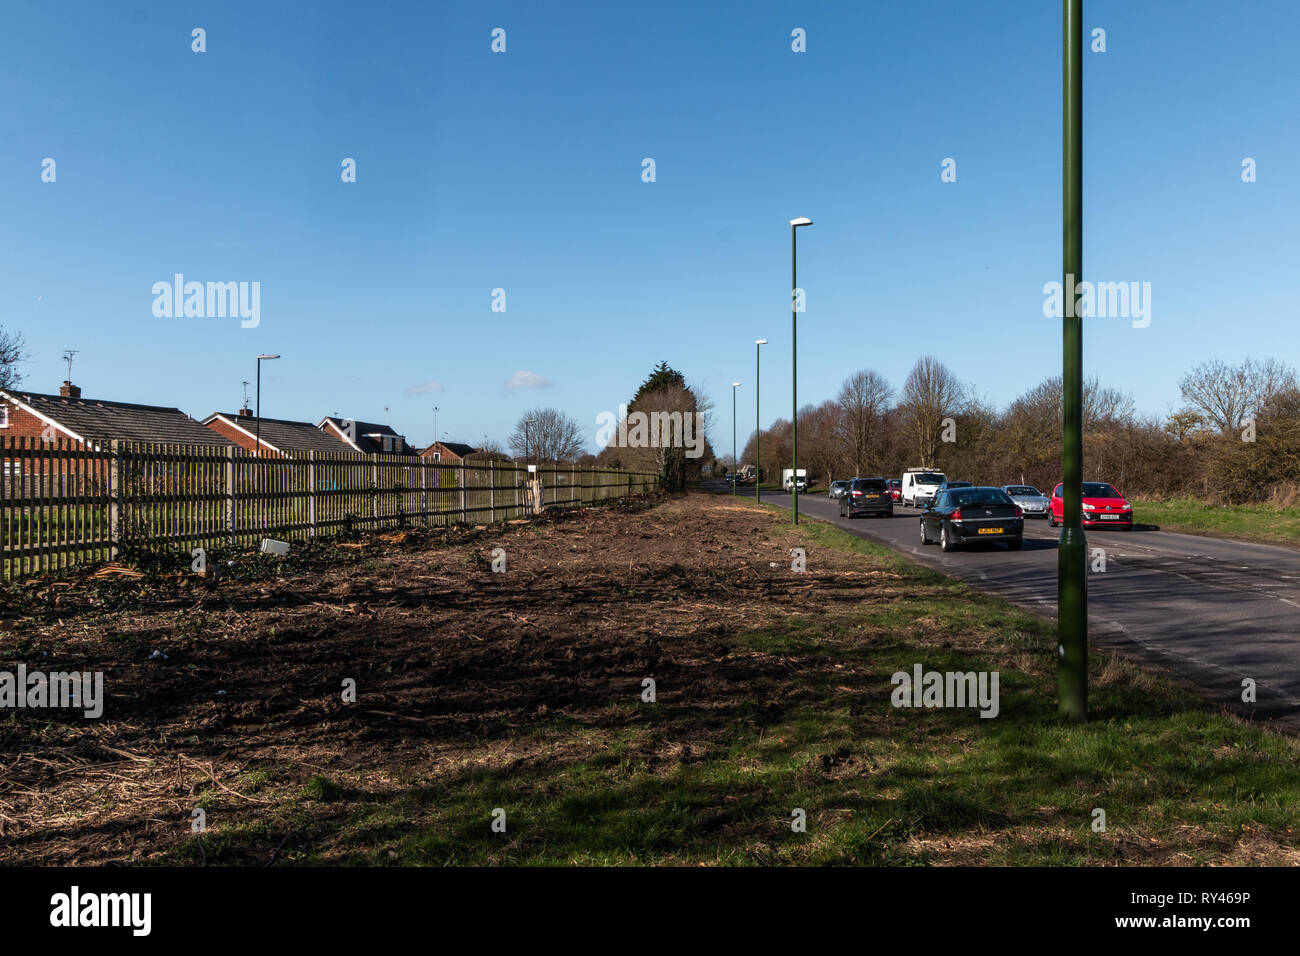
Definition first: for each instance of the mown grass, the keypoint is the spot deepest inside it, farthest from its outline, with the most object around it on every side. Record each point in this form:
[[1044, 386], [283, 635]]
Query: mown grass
[[1263, 523], [1179, 782]]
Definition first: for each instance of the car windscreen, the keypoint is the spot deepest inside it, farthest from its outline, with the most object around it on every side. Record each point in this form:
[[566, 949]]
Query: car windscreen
[[1099, 489], [869, 484], [1024, 491], [971, 497], [960, 484], [928, 478]]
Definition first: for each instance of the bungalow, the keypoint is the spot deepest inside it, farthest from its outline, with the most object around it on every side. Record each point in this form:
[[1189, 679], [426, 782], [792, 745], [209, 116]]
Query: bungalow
[[278, 436], [448, 451], [94, 422], [366, 437]]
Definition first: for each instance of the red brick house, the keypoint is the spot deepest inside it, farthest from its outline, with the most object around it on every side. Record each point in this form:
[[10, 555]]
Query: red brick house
[[279, 437], [95, 422], [448, 451]]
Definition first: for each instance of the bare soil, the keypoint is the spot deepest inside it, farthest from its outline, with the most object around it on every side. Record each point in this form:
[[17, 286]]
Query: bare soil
[[231, 696]]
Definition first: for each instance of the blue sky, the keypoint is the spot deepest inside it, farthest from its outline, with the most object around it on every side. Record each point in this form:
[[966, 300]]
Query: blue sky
[[522, 171]]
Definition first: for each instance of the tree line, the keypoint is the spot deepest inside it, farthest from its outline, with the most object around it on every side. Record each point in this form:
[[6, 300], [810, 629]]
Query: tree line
[[1234, 439]]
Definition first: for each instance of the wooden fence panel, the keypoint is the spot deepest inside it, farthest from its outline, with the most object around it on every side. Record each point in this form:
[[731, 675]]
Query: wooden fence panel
[[64, 503]]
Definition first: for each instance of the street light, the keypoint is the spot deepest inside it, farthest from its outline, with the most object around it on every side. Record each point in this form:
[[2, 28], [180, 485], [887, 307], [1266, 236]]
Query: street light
[[758, 422], [734, 386], [257, 444], [1071, 569], [794, 366], [435, 424]]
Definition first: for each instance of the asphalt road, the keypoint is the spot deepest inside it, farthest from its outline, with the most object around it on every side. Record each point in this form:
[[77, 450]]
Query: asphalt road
[[1212, 612]]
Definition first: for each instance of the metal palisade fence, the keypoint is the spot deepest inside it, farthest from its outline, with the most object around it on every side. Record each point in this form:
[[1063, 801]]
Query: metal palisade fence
[[64, 503]]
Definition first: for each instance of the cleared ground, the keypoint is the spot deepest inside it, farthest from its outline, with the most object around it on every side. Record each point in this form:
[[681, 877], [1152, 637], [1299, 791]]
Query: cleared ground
[[522, 692]]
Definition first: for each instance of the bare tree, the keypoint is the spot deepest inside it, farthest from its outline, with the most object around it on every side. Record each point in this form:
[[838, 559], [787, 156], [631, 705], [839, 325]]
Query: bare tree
[[549, 435], [1044, 405], [11, 353], [775, 449], [863, 398], [931, 393], [1183, 422], [821, 451], [1229, 394]]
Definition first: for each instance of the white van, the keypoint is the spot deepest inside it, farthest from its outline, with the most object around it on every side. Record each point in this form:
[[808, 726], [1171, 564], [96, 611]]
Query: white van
[[789, 477], [919, 486]]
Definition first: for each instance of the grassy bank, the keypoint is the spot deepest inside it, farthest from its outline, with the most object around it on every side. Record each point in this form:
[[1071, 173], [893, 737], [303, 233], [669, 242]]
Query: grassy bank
[[1262, 523]]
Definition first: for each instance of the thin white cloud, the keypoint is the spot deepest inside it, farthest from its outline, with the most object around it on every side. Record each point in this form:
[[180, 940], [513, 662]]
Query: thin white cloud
[[528, 380], [425, 388]]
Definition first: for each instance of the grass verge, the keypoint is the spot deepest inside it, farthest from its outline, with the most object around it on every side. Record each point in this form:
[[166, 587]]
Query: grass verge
[[1262, 523]]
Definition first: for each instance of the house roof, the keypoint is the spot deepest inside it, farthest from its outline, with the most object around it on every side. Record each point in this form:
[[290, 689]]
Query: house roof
[[368, 436], [97, 420], [284, 436], [457, 448]]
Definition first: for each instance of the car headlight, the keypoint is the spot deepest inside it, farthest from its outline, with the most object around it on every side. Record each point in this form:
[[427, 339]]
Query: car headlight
[[1088, 507]]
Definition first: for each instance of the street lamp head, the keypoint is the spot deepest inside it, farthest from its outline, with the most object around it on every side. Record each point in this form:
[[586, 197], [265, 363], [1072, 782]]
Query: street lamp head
[[268, 357], [760, 341], [801, 221], [735, 385]]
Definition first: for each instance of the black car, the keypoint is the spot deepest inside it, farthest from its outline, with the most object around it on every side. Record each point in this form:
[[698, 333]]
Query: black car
[[866, 496], [951, 484], [960, 515]]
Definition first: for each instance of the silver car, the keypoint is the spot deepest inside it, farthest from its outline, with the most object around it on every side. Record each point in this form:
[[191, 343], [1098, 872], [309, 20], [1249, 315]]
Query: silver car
[[838, 488], [1031, 501]]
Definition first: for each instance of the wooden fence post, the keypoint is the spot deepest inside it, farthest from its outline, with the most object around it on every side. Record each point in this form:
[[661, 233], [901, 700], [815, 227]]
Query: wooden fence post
[[114, 499], [492, 491], [311, 492], [424, 492], [374, 491], [230, 495], [464, 519]]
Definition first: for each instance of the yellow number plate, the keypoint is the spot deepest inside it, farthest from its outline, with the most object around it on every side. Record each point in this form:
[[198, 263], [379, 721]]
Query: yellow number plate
[[990, 530], [873, 496]]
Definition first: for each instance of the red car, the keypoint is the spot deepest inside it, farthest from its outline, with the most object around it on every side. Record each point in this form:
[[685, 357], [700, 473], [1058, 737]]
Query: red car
[[1103, 507], [895, 488]]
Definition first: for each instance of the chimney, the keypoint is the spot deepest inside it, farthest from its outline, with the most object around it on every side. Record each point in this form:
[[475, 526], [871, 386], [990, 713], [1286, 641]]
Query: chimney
[[245, 412], [68, 390]]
